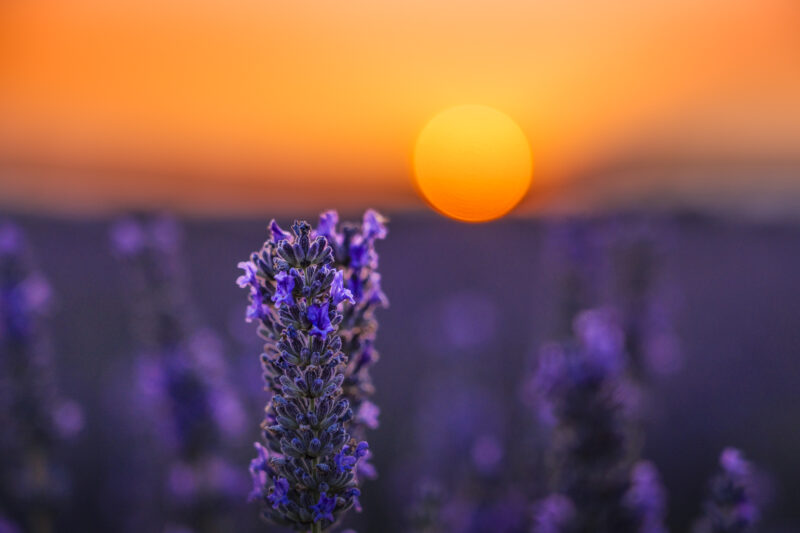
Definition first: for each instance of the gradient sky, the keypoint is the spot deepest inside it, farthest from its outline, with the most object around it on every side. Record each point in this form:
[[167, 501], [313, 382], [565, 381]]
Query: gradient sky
[[257, 105]]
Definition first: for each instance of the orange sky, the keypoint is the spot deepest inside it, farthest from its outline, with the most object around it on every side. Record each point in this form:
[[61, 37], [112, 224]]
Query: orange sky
[[259, 105]]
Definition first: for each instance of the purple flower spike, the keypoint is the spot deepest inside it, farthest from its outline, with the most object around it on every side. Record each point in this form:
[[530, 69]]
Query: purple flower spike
[[315, 459], [36, 419], [187, 378], [585, 395], [733, 505], [355, 256]]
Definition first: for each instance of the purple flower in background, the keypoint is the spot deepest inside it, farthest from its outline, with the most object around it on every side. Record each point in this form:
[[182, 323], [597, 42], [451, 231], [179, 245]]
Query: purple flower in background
[[368, 414], [259, 469], [573, 251], [646, 498], [356, 262], [188, 377], [583, 388], [640, 290], [6, 526], [733, 503], [127, 237], [487, 454], [359, 253], [35, 419], [327, 225], [425, 514], [338, 293], [554, 514], [309, 479], [374, 225]]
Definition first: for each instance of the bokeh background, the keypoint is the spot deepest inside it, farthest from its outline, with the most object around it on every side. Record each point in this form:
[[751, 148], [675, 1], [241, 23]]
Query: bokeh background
[[682, 116]]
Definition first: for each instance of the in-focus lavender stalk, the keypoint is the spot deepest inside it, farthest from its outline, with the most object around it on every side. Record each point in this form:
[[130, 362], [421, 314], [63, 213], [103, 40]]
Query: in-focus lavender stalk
[[186, 378], [732, 505], [34, 418], [587, 399], [299, 296]]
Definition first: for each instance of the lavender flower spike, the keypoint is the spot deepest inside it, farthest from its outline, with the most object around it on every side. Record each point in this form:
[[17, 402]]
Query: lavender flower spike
[[305, 476], [34, 418], [588, 400], [187, 384], [358, 283], [732, 506]]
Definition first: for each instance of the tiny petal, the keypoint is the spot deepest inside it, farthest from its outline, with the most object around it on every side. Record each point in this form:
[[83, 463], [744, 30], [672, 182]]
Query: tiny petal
[[374, 225]]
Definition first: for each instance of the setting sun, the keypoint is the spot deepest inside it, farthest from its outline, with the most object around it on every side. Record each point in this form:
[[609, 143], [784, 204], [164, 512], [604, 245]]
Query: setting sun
[[472, 163]]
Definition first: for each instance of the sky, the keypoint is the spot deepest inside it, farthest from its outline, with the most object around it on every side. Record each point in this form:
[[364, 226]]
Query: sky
[[249, 107]]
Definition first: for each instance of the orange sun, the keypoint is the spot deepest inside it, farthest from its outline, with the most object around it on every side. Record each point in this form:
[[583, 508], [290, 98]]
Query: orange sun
[[472, 163]]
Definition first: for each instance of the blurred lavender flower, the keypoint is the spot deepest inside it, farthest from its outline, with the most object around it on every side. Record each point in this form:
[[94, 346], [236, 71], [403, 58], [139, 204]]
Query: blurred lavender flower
[[462, 324], [425, 513], [306, 475], [184, 375], [618, 265], [467, 508], [554, 514], [590, 405], [642, 294], [573, 251], [34, 418], [6, 526], [646, 498], [732, 506]]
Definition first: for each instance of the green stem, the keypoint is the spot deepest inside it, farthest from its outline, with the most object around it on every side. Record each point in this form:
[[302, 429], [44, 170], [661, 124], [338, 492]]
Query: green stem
[[316, 527]]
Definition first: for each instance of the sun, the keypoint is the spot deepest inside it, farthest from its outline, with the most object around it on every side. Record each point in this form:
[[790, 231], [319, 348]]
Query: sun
[[472, 163]]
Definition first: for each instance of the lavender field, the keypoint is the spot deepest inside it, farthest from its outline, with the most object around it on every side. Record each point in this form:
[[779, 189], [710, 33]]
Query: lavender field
[[534, 375]]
